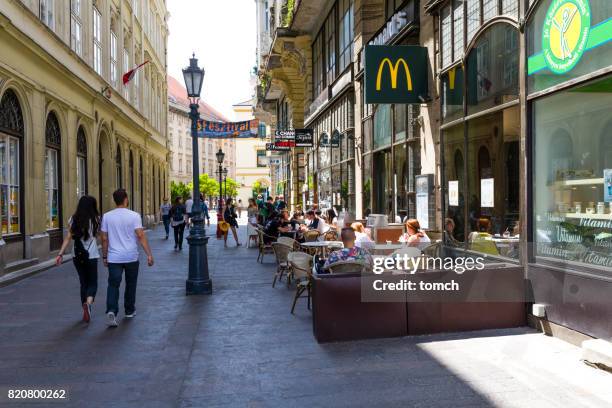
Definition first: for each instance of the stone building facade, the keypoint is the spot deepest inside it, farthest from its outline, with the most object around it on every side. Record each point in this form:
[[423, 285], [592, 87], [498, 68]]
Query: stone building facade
[[68, 125]]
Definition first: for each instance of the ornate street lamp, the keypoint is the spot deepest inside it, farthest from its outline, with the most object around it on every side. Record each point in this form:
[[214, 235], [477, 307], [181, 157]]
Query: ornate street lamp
[[225, 183], [198, 281], [220, 157]]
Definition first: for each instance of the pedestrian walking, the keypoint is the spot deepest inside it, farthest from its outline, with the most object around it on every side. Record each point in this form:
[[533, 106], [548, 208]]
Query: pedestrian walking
[[229, 216], [164, 210], [252, 212], [121, 232], [189, 209], [178, 213], [205, 214], [239, 208], [83, 229]]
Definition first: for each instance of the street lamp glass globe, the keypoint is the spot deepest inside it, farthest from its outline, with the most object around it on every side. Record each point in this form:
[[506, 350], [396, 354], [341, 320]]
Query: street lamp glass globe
[[194, 77], [220, 156]]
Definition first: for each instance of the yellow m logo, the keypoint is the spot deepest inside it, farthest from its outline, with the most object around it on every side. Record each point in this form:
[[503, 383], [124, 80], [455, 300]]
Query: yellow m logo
[[393, 71]]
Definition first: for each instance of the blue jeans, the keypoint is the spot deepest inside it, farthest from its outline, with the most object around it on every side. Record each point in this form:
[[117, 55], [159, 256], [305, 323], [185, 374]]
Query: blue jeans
[[115, 272], [166, 220]]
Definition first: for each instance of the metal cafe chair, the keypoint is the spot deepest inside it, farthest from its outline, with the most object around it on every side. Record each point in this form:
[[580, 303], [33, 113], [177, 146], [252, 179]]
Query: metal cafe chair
[[301, 266], [282, 263]]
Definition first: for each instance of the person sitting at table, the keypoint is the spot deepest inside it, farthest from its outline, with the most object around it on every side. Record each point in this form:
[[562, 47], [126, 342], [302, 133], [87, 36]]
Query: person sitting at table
[[362, 239], [481, 240], [332, 217], [316, 223], [274, 228], [285, 222], [414, 236], [350, 252], [449, 232]]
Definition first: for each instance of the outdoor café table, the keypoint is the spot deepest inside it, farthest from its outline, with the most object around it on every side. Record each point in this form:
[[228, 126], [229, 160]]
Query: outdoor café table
[[322, 247], [386, 249]]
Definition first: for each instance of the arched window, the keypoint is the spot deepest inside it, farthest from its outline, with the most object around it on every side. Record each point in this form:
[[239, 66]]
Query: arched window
[[11, 137], [131, 170], [141, 184], [119, 168], [81, 163], [53, 139]]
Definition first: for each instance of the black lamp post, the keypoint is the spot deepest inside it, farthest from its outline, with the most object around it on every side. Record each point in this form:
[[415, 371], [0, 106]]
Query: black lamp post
[[198, 281], [220, 157], [225, 184]]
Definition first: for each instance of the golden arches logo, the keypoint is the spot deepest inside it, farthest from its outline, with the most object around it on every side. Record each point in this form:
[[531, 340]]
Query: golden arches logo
[[393, 70]]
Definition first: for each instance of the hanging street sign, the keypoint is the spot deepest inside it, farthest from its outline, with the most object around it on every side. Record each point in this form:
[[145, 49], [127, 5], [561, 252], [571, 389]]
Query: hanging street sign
[[304, 137], [396, 74], [228, 130]]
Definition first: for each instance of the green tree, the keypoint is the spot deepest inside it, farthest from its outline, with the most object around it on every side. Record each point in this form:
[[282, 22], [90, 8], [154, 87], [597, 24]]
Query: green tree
[[208, 186], [231, 186], [179, 190]]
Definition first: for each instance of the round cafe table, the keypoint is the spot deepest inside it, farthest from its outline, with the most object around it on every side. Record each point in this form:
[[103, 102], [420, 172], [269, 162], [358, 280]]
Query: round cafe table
[[321, 248]]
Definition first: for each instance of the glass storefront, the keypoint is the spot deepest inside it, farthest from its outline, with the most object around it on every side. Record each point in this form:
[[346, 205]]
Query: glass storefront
[[572, 174], [331, 163]]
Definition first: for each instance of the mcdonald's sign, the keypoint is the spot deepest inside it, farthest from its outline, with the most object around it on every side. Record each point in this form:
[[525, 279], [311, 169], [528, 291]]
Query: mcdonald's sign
[[395, 74]]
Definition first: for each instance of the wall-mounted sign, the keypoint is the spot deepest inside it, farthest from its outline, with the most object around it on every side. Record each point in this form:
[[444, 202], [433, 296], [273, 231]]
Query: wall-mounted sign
[[453, 193], [395, 24], [565, 33], [284, 135], [273, 147], [424, 188], [487, 193], [395, 74], [304, 137], [335, 138]]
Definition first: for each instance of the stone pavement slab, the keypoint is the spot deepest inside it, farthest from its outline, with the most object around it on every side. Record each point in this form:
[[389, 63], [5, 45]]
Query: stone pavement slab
[[241, 347]]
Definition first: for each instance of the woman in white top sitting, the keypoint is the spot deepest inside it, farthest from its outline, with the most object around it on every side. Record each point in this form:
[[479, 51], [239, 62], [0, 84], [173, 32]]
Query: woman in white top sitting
[[362, 239], [414, 236], [84, 226]]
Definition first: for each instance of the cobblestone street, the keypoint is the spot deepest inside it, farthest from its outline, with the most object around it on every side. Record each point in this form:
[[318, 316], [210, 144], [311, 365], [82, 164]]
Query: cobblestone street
[[242, 347]]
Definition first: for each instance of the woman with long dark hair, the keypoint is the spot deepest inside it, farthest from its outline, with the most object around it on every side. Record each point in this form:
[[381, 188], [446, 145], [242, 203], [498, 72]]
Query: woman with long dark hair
[[229, 216], [84, 226], [178, 215]]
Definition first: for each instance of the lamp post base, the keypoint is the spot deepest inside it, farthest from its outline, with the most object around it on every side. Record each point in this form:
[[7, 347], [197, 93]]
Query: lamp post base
[[198, 287], [199, 282]]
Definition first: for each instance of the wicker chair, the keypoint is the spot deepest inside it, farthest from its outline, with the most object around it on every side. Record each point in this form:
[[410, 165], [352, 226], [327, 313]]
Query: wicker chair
[[330, 235], [311, 235], [348, 267], [301, 266], [263, 247], [282, 264], [289, 242]]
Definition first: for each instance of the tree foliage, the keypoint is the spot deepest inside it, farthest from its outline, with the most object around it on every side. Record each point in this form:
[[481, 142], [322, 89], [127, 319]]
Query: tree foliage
[[179, 190], [209, 187]]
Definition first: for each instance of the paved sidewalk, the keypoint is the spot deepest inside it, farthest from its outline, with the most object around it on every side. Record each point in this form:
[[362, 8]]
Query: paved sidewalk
[[241, 347]]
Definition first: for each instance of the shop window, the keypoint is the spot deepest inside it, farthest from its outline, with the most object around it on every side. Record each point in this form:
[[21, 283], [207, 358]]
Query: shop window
[[493, 217], [118, 168], [489, 86], [81, 163], [52, 172], [131, 170], [572, 175], [382, 126], [454, 176], [510, 7], [262, 160], [367, 185], [399, 121], [11, 135], [452, 94], [489, 9]]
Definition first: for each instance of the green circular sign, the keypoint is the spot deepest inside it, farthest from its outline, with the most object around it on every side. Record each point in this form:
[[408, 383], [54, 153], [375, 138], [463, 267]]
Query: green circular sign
[[565, 33]]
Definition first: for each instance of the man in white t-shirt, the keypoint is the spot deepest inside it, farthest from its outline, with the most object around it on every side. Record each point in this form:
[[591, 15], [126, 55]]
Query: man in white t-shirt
[[121, 231], [189, 208]]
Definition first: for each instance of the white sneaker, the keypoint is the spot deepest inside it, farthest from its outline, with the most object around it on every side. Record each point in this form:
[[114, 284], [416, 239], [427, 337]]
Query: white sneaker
[[131, 315], [112, 319]]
